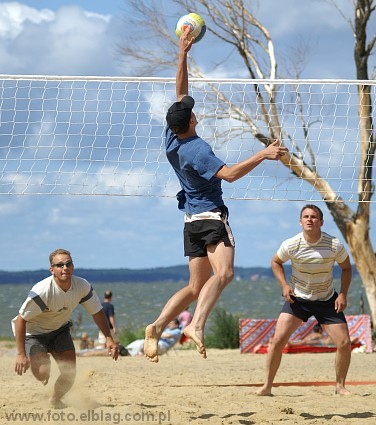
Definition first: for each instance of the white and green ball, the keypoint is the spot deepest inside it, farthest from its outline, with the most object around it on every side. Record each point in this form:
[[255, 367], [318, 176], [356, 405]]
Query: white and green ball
[[195, 22]]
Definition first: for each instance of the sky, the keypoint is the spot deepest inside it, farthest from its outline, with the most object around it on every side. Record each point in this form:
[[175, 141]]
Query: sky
[[40, 37]]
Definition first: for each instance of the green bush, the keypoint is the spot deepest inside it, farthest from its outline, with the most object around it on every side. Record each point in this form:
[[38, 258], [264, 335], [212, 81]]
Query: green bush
[[224, 332], [130, 334]]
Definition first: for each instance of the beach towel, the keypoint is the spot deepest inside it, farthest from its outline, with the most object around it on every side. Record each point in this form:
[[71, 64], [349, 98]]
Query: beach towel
[[255, 333], [302, 348]]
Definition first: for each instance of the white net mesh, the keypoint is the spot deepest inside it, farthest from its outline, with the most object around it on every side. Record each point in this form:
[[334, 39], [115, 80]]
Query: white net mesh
[[103, 136]]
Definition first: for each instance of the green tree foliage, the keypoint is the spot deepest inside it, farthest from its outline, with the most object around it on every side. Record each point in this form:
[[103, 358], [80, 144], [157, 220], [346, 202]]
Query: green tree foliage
[[224, 332], [129, 334]]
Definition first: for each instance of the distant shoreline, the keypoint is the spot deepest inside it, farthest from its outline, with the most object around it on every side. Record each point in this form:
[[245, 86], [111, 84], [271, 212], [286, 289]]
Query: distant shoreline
[[125, 275]]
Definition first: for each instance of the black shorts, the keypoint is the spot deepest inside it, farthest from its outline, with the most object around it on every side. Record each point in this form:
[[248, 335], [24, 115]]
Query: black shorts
[[323, 311], [201, 233], [59, 340]]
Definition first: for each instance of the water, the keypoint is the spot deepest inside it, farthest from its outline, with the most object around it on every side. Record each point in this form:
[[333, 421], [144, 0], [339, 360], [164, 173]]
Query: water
[[137, 304]]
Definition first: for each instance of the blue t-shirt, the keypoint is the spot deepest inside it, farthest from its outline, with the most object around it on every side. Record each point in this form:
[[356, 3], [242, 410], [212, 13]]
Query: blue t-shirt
[[195, 165], [109, 311], [175, 335]]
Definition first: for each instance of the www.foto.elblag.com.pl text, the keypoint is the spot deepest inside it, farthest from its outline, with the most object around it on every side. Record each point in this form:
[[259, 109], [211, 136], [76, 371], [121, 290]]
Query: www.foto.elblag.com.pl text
[[91, 416]]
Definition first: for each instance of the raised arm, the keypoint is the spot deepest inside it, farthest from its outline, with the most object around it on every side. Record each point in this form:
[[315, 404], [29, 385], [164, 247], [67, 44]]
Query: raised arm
[[273, 152], [182, 71]]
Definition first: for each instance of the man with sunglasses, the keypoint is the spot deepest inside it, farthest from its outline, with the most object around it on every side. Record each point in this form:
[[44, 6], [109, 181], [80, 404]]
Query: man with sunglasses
[[42, 326]]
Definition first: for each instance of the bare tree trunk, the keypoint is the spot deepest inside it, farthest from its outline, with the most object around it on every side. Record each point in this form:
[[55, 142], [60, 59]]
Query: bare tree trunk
[[234, 23], [357, 231], [361, 249]]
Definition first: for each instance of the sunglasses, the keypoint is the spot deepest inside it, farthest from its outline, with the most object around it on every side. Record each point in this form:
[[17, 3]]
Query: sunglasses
[[61, 265]]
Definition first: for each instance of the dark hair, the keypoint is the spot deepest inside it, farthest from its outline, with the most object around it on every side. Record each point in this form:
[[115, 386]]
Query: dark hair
[[312, 207], [178, 130], [108, 294], [176, 321]]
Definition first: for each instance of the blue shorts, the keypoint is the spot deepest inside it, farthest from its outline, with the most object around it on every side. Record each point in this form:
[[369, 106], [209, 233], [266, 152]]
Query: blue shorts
[[59, 341], [323, 311], [201, 233]]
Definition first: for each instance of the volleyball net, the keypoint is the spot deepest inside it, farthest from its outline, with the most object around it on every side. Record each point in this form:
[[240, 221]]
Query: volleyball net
[[104, 136]]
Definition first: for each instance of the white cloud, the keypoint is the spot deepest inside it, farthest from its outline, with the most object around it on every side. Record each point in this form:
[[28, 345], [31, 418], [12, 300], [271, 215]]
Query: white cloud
[[13, 17], [135, 182], [105, 18], [158, 103], [8, 208], [70, 41]]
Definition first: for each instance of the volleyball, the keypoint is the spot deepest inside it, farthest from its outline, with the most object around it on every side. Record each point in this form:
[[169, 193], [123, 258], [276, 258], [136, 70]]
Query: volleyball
[[195, 22]]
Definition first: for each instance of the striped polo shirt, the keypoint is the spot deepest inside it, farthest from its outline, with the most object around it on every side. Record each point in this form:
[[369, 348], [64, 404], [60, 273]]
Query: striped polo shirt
[[312, 265], [47, 307]]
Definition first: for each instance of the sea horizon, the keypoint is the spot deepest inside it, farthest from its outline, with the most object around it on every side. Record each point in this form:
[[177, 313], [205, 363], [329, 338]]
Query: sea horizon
[[139, 303]]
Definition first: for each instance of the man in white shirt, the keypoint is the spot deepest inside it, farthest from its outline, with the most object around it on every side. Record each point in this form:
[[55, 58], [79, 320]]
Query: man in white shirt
[[42, 325], [311, 293]]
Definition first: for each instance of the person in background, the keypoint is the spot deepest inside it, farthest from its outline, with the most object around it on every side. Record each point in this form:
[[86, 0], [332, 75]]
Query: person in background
[[311, 292], [170, 336], [316, 338], [208, 239], [85, 342], [185, 318], [42, 327], [109, 311]]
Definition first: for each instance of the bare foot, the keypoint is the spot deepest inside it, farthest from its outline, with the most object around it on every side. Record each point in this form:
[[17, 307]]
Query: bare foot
[[151, 344], [57, 403], [264, 392], [342, 391], [191, 333]]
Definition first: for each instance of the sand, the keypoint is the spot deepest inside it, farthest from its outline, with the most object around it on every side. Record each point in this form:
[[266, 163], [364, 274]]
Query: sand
[[183, 389]]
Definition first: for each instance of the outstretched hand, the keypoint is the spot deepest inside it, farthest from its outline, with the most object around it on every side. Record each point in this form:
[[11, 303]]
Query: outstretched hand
[[113, 349], [185, 43], [275, 150], [22, 364]]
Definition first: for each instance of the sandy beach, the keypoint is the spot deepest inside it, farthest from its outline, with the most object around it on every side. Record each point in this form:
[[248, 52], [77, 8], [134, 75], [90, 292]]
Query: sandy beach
[[183, 388]]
